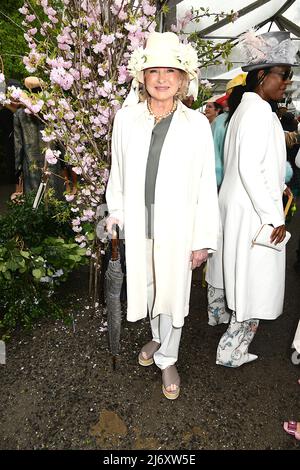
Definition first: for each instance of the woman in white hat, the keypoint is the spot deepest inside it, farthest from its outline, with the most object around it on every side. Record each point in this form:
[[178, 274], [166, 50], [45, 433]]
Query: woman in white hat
[[251, 195], [162, 188]]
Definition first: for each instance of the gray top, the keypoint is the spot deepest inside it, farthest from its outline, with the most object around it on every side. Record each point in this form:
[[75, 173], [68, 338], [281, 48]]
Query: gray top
[[157, 140]]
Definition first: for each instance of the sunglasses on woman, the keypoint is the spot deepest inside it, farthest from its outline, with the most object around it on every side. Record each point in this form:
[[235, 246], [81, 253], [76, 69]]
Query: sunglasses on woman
[[287, 75]]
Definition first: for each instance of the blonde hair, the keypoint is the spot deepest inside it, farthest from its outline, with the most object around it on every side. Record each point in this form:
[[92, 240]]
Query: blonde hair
[[181, 93], [291, 138]]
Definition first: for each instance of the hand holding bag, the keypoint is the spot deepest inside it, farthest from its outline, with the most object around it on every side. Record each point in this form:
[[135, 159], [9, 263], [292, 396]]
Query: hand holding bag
[[263, 235]]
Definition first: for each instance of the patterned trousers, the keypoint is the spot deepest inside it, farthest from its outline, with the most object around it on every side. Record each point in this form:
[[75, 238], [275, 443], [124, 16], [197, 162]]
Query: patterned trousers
[[217, 310]]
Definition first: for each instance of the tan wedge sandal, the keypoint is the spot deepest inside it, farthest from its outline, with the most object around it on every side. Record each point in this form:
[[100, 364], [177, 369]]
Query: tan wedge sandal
[[147, 352], [170, 376]]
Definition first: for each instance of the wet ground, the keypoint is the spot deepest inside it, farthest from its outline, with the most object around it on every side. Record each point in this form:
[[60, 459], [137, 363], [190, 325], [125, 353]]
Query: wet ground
[[58, 389]]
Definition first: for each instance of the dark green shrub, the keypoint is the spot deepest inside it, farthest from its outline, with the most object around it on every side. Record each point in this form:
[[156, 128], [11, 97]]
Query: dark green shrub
[[37, 253]]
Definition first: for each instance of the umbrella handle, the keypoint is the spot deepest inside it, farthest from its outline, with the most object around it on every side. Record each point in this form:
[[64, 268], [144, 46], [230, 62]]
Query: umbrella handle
[[114, 246], [288, 204]]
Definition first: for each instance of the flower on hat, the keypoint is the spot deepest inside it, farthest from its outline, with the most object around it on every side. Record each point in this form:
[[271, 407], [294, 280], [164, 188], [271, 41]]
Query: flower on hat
[[188, 58], [136, 62], [185, 54]]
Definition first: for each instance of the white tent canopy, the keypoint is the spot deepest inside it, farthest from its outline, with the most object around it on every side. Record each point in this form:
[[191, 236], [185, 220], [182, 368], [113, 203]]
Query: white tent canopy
[[251, 14], [263, 15]]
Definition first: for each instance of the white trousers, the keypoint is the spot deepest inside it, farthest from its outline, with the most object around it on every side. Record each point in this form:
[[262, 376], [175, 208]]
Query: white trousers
[[163, 331]]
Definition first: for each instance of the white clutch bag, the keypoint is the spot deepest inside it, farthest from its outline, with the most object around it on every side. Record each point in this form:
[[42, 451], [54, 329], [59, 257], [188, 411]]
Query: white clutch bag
[[263, 235]]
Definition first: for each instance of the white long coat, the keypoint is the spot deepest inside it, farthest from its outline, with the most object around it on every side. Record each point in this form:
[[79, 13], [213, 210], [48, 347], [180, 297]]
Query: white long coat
[[251, 195], [186, 207]]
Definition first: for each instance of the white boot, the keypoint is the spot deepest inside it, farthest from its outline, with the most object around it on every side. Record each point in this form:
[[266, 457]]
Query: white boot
[[233, 346]]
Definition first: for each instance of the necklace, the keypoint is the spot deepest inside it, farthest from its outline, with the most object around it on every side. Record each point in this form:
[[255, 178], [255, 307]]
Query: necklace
[[159, 117]]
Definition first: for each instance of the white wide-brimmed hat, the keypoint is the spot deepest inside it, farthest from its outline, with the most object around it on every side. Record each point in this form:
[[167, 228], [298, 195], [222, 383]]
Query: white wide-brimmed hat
[[268, 50], [165, 50]]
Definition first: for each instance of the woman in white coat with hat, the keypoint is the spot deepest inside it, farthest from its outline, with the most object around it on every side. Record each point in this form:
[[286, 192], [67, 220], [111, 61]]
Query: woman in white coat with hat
[[162, 188], [251, 195]]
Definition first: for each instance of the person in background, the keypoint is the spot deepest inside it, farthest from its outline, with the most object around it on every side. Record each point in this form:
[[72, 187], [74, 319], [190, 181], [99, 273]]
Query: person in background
[[251, 195], [219, 126], [29, 147], [290, 126], [212, 110], [29, 157], [162, 188], [281, 110], [7, 134]]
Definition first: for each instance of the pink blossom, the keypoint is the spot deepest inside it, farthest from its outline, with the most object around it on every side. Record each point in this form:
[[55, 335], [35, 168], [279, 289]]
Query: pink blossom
[[123, 74], [148, 9], [47, 25], [32, 31], [85, 71], [64, 47], [30, 18], [75, 73], [61, 77], [107, 39], [50, 11], [32, 61], [76, 221], [99, 47], [52, 156], [88, 213], [16, 93], [80, 238], [86, 192], [122, 15], [36, 107], [69, 116], [53, 19], [24, 10], [69, 197], [101, 71], [47, 137]]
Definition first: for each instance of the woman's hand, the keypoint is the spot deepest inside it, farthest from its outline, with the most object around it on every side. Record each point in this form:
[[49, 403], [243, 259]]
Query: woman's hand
[[278, 234], [110, 222], [198, 257]]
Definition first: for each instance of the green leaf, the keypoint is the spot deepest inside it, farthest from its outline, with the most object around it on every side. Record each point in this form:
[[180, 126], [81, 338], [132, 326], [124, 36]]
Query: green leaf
[[37, 273]]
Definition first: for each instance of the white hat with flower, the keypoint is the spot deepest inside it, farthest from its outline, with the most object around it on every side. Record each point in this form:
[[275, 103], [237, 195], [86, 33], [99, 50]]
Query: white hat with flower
[[165, 50]]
